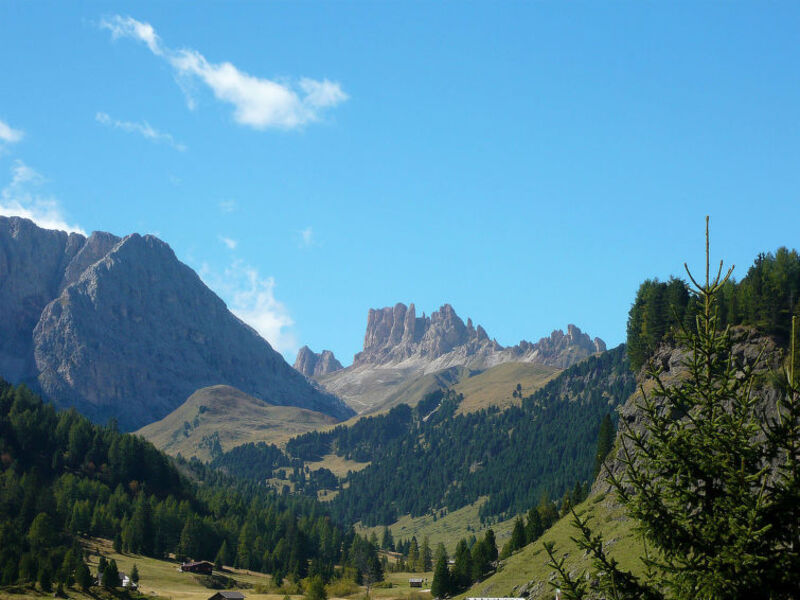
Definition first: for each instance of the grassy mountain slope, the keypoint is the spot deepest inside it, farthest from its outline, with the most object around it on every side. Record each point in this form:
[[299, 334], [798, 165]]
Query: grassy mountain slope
[[526, 573], [231, 417], [495, 386]]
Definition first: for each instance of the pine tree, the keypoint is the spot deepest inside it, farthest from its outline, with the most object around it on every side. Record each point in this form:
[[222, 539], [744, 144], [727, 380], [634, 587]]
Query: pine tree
[[413, 555], [110, 578], [605, 441], [83, 577], [223, 556], [518, 537], [533, 528], [441, 586], [135, 574], [715, 499], [426, 555]]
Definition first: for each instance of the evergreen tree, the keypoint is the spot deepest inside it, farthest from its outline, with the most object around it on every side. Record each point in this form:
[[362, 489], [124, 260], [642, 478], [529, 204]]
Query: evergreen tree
[[110, 579], [518, 537], [533, 527], [387, 542], [413, 555], [83, 577], [441, 586], [135, 574], [605, 441], [223, 556], [712, 484], [462, 569], [426, 555]]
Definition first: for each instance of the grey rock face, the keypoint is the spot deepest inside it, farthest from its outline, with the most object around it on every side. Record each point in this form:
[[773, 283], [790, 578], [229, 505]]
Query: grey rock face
[[121, 328], [396, 334], [400, 347], [311, 364]]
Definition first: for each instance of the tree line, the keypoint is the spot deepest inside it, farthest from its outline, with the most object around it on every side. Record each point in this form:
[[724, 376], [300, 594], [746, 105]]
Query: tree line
[[766, 298]]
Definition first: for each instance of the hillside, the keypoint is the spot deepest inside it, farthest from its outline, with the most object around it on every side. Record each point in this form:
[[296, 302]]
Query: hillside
[[64, 478], [218, 418], [526, 573], [120, 328]]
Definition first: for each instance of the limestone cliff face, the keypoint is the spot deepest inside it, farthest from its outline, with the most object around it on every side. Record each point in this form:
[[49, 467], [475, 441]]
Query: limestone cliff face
[[121, 328], [311, 364], [395, 335], [400, 347]]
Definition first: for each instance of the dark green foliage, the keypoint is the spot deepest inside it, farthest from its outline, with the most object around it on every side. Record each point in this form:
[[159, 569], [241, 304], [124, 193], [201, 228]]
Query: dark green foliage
[[713, 480], [766, 298], [122, 488], [605, 441], [363, 557], [512, 456], [135, 574], [83, 577], [110, 576], [387, 541], [256, 461], [441, 586]]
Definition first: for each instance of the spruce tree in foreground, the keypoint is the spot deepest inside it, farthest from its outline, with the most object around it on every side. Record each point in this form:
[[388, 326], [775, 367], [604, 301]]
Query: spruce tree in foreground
[[712, 483]]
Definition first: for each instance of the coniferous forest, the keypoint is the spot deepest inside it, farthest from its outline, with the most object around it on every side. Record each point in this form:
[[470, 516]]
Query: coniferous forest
[[64, 477]]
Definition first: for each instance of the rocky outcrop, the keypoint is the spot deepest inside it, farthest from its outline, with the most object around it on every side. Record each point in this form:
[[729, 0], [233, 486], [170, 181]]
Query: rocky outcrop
[[399, 347], [121, 328], [311, 364], [395, 334]]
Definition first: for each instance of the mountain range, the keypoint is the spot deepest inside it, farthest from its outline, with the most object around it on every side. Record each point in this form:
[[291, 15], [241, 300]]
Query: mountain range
[[120, 328], [400, 348]]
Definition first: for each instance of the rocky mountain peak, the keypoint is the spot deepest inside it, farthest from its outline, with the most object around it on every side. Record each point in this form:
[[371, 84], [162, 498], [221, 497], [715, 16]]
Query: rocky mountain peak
[[395, 334], [311, 364], [119, 327]]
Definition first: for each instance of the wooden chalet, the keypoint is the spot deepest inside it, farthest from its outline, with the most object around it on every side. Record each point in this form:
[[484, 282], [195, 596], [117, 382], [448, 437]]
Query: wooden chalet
[[415, 582], [203, 567]]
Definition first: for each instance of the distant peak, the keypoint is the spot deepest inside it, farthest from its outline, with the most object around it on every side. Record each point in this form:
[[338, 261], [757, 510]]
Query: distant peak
[[311, 364]]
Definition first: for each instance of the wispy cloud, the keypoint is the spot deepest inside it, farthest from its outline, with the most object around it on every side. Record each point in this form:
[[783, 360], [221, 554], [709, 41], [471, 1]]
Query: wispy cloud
[[229, 242], [307, 237], [257, 102], [251, 297], [21, 198], [144, 129], [227, 206], [8, 134]]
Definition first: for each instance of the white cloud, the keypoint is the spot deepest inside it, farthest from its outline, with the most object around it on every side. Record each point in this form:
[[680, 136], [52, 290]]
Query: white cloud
[[307, 237], [227, 206], [230, 243], [251, 298], [120, 26], [257, 102], [8, 134], [20, 198], [144, 129]]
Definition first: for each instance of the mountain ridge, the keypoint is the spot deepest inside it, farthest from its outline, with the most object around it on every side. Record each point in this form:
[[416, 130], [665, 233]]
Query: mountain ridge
[[119, 327], [400, 347]]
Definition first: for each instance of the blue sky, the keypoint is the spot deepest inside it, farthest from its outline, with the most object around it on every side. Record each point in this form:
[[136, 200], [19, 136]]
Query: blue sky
[[529, 163]]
